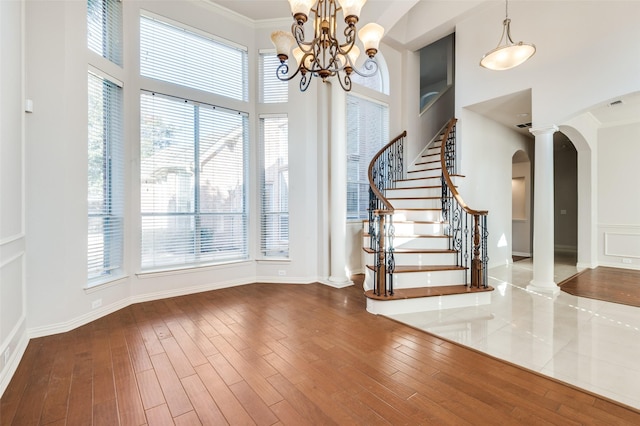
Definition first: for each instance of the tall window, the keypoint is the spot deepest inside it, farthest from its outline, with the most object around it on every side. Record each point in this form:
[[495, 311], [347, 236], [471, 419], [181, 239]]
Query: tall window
[[273, 89], [192, 59], [367, 132], [105, 179], [104, 29], [193, 183], [274, 218]]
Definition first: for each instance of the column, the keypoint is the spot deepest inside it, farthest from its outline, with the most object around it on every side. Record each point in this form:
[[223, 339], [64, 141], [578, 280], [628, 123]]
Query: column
[[338, 187], [543, 231]]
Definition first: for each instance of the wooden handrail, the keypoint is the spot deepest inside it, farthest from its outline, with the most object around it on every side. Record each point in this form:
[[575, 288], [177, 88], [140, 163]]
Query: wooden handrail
[[447, 177], [372, 184]]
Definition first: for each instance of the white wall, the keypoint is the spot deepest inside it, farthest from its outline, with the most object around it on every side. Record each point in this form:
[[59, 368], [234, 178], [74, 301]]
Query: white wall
[[13, 337], [572, 71], [587, 52], [618, 196], [486, 163]]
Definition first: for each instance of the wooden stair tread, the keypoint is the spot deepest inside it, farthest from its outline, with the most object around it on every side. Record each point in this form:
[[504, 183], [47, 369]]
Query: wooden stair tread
[[415, 222], [416, 250], [425, 170], [400, 269], [418, 178], [415, 198], [413, 293], [417, 187], [412, 236], [408, 209]]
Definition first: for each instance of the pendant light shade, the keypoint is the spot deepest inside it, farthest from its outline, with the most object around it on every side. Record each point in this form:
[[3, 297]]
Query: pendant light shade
[[508, 55]]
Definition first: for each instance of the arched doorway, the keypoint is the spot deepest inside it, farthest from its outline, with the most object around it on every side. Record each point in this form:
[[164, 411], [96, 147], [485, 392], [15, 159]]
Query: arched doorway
[[521, 217], [565, 180]]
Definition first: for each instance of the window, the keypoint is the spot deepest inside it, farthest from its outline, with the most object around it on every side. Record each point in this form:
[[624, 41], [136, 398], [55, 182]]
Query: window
[[274, 218], [192, 59], [367, 132], [105, 179], [104, 29], [273, 89], [193, 183]]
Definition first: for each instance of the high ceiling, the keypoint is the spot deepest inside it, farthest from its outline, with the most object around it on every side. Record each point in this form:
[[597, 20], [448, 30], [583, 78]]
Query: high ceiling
[[511, 110], [257, 9]]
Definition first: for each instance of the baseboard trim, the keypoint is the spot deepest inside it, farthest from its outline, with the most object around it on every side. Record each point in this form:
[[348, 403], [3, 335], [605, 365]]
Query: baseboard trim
[[620, 266], [10, 368]]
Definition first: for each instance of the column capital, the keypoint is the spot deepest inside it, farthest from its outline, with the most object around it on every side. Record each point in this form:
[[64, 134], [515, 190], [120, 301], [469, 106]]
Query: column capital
[[543, 130]]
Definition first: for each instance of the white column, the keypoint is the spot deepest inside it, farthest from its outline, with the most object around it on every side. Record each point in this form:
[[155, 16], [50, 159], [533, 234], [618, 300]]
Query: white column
[[543, 231], [338, 188]]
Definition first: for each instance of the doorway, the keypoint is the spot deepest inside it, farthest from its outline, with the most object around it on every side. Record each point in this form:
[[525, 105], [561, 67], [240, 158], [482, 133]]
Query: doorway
[[521, 218]]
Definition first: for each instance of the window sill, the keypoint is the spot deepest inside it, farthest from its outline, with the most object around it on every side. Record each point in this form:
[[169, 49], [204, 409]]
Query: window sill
[[190, 269], [275, 260], [101, 285]]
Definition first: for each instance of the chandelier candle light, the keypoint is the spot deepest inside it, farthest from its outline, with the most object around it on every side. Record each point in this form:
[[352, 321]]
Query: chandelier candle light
[[325, 56], [510, 54]]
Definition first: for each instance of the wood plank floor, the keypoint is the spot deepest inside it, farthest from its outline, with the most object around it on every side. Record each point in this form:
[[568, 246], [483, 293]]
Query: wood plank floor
[[610, 284], [283, 354]]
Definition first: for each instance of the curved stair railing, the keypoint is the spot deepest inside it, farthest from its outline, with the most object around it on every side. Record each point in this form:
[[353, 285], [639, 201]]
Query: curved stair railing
[[386, 167], [466, 227]]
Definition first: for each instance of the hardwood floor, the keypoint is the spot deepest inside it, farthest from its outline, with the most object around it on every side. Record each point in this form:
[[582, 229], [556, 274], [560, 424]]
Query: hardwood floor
[[283, 354], [610, 284]]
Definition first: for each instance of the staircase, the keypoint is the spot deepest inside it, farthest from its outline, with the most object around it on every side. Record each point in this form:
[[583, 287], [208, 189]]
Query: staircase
[[420, 254]]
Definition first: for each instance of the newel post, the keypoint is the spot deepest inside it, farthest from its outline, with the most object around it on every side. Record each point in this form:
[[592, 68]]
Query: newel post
[[476, 261], [381, 271]]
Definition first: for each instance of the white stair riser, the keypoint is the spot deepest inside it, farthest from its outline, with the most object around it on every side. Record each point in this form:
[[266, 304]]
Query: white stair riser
[[416, 243], [424, 174], [418, 182], [416, 203], [411, 228], [406, 306], [423, 279], [413, 192], [418, 215], [418, 258]]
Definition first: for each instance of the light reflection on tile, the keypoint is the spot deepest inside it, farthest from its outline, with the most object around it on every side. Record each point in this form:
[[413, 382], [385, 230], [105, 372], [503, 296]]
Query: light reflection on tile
[[588, 343]]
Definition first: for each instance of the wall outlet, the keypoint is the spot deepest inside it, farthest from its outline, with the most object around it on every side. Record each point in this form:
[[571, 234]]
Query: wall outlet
[[7, 353], [626, 260], [282, 272], [96, 303]]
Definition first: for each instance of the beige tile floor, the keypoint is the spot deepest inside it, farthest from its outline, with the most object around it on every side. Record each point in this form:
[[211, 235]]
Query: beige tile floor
[[588, 343]]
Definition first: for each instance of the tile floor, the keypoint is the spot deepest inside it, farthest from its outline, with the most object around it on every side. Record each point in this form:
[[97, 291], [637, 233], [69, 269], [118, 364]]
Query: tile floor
[[588, 343]]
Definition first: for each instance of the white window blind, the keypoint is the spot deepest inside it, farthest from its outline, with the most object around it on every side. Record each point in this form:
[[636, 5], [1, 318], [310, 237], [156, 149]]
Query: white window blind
[[105, 179], [273, 90], [191, 59], [367, 132], [193, 183], [274, 218], [104, 29]]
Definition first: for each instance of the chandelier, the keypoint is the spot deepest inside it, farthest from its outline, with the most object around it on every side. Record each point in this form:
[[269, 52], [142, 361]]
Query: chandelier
[[325, 55], [509, 55]]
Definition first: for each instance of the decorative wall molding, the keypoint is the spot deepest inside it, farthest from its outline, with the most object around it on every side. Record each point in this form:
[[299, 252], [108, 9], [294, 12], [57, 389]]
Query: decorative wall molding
[[622, 244], [11, 238]]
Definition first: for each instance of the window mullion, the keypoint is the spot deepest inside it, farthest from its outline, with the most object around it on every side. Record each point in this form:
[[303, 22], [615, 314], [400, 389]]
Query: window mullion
[[196, 182]]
